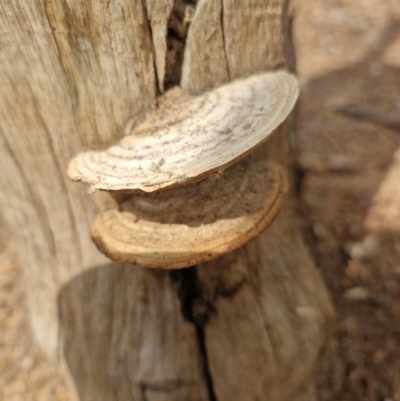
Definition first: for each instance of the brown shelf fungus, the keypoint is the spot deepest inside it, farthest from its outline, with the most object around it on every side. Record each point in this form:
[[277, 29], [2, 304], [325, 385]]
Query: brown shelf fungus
[[178, 149], [184, 226], [189, 138]]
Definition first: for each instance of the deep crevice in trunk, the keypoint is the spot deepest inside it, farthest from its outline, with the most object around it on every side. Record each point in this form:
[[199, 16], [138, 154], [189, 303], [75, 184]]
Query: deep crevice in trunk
[[223, 39], [197, 310], [153, 52], [178, 26]]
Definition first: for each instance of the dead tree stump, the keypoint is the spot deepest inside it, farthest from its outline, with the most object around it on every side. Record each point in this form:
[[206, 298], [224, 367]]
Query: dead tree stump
[[250, 325]]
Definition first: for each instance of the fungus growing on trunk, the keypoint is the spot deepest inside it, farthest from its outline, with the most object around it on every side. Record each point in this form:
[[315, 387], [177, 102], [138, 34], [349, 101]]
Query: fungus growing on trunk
[[190, 138], [184, 226], [187, 140]]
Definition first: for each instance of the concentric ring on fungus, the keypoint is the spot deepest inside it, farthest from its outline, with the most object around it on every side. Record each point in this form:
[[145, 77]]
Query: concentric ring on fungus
[[184, 226], [190, 138]]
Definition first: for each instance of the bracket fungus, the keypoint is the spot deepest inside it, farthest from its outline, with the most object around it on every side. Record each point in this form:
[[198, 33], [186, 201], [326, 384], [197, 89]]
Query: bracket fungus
[[188, 225], [187, 140]]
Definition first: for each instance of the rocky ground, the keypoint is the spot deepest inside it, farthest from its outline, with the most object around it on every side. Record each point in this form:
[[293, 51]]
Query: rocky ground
[[348, 127]]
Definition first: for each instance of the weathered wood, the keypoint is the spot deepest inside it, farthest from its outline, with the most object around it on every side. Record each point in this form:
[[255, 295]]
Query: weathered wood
[[205, 66], [158, 15], [271, 287], [126, 339], [256, 46], [269, 308], [72, 73], [250, 325]]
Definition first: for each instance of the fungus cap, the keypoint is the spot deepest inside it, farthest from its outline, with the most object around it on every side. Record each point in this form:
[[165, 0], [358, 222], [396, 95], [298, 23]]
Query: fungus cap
[[189, 138], [185, 226]]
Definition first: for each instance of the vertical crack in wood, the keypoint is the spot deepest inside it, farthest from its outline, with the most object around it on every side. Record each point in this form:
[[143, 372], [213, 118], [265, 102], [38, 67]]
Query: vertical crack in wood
[[201, 341], [197, 310], [287, 23], [69, 76], [153, 50], [178, 26], [223, 39], [143, 392]]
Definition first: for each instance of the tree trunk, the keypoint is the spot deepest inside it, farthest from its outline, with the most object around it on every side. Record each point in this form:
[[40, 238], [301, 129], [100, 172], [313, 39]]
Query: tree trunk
[[250, 325]]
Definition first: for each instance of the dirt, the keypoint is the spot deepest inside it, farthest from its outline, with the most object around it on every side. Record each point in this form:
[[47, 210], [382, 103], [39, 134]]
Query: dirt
[[25, 374], [348, 61], [348, 58]]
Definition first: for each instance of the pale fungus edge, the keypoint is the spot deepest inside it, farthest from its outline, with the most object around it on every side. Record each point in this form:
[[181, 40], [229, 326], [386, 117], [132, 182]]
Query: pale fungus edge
[[75, 174]]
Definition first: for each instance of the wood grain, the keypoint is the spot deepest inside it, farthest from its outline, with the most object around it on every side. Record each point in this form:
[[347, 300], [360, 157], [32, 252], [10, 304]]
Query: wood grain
[[158, 14], [127, 338], [270, 309], [266, 30], [72, 73], [205, 67]]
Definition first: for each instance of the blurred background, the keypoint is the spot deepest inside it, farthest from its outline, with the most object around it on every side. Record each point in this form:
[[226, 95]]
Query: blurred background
[[348, 133]]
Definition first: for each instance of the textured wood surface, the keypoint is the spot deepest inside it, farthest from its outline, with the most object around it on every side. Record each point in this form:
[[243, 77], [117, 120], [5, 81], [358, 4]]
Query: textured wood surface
[[125, 337], [266, 30], [72, 74], [158, 14], [68, 81], [270, 283], [205, 67], [250, 325]]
